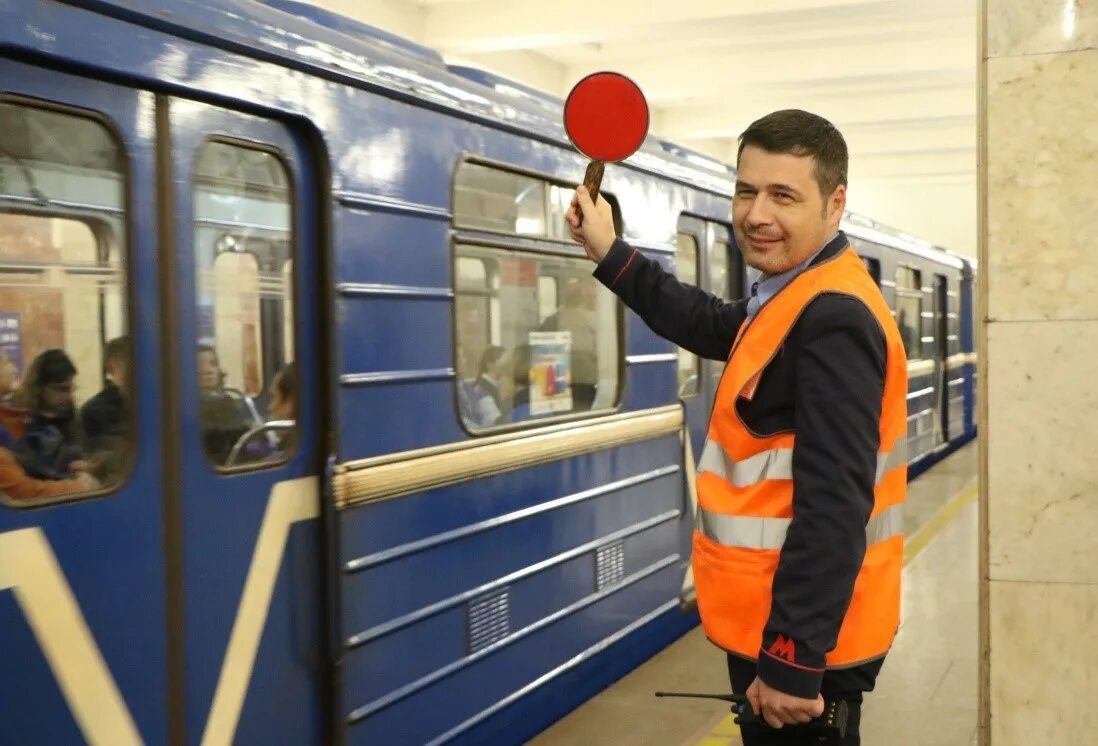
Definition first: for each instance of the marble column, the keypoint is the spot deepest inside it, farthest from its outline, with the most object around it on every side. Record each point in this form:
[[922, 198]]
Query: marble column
[[1039, 372]]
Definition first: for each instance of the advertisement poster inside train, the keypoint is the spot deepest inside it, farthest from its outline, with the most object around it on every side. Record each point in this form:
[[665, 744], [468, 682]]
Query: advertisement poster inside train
[[550, 372]]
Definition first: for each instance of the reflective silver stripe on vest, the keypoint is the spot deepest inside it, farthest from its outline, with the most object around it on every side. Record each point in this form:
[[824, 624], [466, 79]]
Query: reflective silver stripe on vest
[[773, 464], [750, 532], [886, 524], [777, 463], [743, 531], [893, 459]]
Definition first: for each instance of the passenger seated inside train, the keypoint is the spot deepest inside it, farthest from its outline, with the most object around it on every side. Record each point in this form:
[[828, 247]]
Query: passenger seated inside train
[[9, 379], [282, 411], [276, 438], [13, 418], [223, 413], [576, 315], [104, 419], [15, 483], [49, 447], [485, 395], [520, 377]]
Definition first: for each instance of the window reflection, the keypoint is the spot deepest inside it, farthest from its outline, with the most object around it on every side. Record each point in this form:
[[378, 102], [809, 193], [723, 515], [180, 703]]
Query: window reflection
[[245, 305]]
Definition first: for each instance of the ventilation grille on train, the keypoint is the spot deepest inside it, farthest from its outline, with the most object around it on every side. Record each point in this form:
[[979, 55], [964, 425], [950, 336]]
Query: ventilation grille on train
[[489, 619], [609, 565]]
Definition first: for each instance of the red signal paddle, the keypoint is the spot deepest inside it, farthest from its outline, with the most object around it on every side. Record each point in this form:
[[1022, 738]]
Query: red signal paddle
[[606, 118]]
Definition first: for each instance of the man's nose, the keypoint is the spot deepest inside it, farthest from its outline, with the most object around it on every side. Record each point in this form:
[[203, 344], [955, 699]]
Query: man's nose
[[760, 213]]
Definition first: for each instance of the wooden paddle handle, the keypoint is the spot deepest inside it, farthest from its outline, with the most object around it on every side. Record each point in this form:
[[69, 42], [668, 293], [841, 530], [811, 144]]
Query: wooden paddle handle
[[592, 180]]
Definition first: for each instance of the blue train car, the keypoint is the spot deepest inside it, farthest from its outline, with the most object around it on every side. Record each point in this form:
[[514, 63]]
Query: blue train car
[[315, 426]]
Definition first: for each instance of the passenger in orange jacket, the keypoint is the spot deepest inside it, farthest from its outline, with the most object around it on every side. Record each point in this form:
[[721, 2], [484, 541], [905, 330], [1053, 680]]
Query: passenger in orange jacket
[[15, 483], [14, 480], [798, 545], [18, 486]]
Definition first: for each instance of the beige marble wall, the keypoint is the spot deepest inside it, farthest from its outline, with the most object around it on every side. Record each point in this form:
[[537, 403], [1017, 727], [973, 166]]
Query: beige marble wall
[[1039, 391]]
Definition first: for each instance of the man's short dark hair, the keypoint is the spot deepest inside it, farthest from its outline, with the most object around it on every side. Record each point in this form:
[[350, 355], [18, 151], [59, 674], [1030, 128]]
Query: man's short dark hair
[[117, 347], [799, 132], [286, 382], [53, 366]]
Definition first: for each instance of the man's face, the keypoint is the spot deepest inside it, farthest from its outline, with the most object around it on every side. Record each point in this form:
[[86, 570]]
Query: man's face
[[778, 215], [278, 406], [57, 398], [117, 368], [9, 376], [209, 372]]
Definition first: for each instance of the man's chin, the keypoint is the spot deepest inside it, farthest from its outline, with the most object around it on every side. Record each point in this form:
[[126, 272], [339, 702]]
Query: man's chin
[[765, 263]]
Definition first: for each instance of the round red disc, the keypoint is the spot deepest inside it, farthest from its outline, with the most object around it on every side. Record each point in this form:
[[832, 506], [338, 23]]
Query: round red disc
[[606, 116]]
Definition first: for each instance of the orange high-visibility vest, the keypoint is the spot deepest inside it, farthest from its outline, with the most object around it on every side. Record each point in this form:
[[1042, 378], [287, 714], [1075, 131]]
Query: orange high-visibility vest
[[745, 485]]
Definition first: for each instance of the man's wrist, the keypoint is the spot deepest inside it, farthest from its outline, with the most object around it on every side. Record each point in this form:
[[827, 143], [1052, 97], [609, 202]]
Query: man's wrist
[[614, 264]]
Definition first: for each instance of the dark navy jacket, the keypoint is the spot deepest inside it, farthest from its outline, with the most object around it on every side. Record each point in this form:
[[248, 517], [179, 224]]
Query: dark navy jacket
[[827, 386]]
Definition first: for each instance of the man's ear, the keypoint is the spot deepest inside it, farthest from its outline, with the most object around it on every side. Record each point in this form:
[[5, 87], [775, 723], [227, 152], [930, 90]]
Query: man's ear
[[836, 204]]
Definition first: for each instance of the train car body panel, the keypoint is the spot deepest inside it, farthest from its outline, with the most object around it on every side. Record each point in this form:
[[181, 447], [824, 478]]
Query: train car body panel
[[223, 512], [87, 578], [299, 188]]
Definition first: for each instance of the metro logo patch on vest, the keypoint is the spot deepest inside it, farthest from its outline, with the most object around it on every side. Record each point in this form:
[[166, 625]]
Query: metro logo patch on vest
[[746, 484]]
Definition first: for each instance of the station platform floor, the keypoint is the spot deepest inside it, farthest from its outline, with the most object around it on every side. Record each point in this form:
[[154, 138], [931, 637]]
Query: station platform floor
[[927, 691]]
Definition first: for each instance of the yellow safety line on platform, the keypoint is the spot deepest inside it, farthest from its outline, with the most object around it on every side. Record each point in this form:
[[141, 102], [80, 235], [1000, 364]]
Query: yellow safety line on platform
[[726, 729], [722, 733], [938, 521]]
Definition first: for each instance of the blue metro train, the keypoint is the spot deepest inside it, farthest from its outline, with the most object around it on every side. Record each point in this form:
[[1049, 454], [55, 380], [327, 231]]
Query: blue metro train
[[386, 465]]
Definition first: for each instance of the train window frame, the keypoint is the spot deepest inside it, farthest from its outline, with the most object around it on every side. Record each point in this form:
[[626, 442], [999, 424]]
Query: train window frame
[[475, 160], [456, 244], [107, 238], [683, 353], [873, 267], [486, 238], [293, 257], [911, 293], [954, 326], [712, 244]]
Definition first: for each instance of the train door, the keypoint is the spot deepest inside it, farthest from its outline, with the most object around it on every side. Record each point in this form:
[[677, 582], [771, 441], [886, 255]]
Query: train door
[[82, 592], [941, 350], [723, 277], [245, 364], [703, 257], [718, 271], [694, 386]]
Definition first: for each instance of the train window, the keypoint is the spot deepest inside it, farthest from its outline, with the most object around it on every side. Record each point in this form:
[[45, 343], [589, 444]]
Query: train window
[[909, 310], [492, 199], [517, 364], [954, 325], [873, 266], [720, 280], [548, 296], [501, 201], [686, 267], [244, 282], [560, 199], [66, 422], [477, 302]]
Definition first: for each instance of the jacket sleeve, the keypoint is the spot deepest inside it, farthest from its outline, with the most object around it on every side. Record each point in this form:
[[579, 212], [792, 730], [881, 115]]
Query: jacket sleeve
[[16, 484], [838, 388], [695, 320]]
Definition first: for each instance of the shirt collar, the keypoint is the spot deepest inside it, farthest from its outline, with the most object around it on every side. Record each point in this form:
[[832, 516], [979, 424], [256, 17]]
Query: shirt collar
[[767, 286]]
